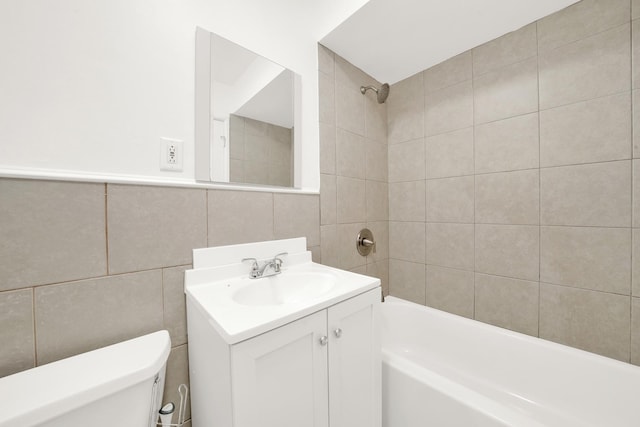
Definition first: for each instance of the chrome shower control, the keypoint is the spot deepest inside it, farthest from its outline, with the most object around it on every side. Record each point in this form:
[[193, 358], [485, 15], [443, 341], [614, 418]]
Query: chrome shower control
[[365, 242]]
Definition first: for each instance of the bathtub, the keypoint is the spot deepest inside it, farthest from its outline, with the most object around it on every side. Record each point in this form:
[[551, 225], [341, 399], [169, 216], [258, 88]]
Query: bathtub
[[440, 370]]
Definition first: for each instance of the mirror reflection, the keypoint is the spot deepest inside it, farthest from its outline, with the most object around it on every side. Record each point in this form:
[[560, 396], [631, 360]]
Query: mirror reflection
[[252, 116]]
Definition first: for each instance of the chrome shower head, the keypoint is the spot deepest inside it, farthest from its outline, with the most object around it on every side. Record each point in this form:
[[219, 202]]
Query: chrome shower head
[[382, 93]]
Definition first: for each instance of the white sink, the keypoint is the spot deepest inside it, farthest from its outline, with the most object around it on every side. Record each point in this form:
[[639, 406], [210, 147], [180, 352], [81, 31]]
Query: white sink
[[239, 307], [291, 288]]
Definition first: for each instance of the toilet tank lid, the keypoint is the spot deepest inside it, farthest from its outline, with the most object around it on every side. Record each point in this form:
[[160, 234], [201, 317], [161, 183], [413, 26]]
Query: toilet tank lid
[[39, 394]]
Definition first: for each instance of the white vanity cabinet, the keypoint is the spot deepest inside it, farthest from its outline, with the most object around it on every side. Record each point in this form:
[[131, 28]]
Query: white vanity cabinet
[[322, 370]]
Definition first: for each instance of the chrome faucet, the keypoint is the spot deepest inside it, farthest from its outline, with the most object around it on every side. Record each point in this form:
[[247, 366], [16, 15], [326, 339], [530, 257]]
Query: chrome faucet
[[274, 264]]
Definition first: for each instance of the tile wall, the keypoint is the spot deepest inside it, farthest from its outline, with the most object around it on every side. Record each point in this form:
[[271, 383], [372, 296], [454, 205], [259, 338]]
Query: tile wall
[[353, 167], [85, 265], [513, 183], [260, 152]]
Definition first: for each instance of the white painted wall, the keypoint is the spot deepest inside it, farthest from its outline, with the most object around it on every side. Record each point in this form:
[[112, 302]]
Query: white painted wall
[[89, 87]]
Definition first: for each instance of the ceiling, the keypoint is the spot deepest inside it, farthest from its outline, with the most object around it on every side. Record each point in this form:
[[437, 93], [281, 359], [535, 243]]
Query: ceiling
[[394, 39]]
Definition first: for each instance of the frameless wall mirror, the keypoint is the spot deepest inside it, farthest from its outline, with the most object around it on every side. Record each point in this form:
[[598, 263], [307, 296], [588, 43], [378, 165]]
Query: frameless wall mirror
[[247, 115]]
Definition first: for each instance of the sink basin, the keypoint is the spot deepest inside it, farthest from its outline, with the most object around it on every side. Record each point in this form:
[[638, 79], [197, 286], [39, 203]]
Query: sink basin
[[293, 287], [220, 293]]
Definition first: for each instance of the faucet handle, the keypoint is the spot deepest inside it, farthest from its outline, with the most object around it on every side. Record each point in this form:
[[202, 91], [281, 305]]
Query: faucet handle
[[254, 266], [278, 261]]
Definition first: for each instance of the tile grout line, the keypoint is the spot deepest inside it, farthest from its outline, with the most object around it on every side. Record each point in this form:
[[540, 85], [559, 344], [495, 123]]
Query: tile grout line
[[35, 331], [106, 225], [473, 115], [631, 63], [539, 184]]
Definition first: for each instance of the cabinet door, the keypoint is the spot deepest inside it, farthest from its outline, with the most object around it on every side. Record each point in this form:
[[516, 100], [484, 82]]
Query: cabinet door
[[354, 362], [280, 378]]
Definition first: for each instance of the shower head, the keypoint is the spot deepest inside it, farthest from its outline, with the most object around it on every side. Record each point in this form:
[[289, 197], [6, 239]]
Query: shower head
[[382, 93]]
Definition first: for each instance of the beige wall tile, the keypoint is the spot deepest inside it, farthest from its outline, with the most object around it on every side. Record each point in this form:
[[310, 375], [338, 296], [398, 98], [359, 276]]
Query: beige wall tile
[[448, 73], [326, 60], [177, 373], [348, 255], [586, 257], [635, 331], [635, 113], [593, 321], [327, 97], [236, 170], [407, 161], [513, 47], [635, 263], [449, 154], [352, 203], [508, 303], [380, 270], [507, 145], [581, 20], [407, 241], [349, 108], [508, 197], [350, 150], [327, 148], [233, 219], [17, 352], [256, 172], [508, 92], [377, 161], [377, 201], [590, 68], [375, 118], [51, 232], [407, 280], [360, 270], [635, 9], [636, 193], [508, 250], [450, 245], [405, 110], [328, 201], [635, 54], [175, 312], [256, 146], [380, 230], [450, 290], [256, 127], [592, 195], [151, 227], [450, 199], [329, 245], [407, 201], [592, 131], [76, 317], [297, 215], [316, 254], [449, 109], [280, 175]]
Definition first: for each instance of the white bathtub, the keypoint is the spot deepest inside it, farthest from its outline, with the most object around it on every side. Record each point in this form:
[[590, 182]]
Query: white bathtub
[[444, 370]]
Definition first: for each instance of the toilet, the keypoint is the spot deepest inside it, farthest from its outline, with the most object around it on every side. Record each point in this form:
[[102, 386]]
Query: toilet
[[119, 385]]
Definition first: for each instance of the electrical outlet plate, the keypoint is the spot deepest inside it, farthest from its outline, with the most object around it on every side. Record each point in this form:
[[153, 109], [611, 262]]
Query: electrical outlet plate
[[171, 154]]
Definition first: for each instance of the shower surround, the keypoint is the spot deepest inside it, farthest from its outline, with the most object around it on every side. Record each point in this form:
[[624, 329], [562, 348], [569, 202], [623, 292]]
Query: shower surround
[[513, 183]]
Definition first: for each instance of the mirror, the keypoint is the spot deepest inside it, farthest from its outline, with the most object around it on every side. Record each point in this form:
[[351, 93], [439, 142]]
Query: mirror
[[247, 115]]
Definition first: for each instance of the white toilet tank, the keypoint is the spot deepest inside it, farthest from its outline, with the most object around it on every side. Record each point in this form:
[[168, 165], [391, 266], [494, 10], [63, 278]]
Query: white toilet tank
[[120, 385]]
